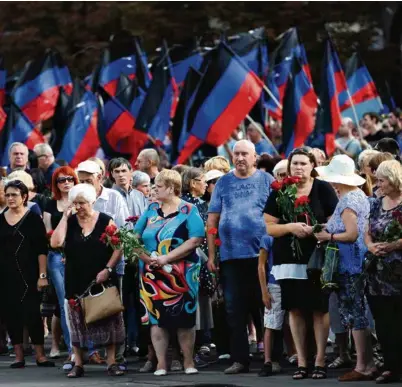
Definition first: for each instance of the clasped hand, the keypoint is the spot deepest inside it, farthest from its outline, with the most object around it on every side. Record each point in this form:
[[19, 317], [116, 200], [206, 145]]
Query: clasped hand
[[301, 230], [381, 249], [158, 261]]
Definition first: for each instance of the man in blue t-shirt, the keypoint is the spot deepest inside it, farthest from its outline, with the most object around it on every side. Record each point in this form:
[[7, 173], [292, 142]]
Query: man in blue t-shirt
[[261, 144], [236, 210]]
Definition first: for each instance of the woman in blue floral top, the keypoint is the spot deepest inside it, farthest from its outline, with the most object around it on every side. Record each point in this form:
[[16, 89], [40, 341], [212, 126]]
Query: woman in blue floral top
[[384, 286], [346, 227]]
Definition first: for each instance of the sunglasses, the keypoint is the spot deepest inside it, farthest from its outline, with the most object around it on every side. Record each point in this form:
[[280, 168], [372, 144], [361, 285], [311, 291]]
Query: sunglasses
[[61, 180], [282, 175], [213, 181]]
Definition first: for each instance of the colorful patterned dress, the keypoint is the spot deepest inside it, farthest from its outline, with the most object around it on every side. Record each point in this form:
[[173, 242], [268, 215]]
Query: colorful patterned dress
[[170, 299]]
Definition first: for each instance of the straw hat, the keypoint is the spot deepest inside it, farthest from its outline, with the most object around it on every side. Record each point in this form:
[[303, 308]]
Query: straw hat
[[340, 170]]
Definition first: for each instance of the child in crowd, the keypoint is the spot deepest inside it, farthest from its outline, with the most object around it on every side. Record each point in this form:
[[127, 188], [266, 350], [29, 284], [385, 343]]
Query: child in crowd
[[274, 315]]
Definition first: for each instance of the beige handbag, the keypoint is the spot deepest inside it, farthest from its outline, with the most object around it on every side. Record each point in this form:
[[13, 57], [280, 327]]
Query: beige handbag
[[98, 306]]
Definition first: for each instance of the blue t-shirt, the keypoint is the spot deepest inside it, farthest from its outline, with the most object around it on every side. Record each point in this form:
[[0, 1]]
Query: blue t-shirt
[[266, 243], [240, 203], [351, 255], [265, 147]]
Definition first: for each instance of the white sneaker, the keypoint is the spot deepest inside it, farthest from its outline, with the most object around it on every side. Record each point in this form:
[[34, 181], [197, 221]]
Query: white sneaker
[[225, 356], [191, 371], [54, 354], [176, 366], [160, 373]]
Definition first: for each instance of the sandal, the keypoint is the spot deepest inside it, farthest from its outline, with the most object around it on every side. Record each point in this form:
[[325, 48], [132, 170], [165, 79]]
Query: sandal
[[387, 377], [114, 370], [319, 373], [301, 373], [76, 372], [340, 363]]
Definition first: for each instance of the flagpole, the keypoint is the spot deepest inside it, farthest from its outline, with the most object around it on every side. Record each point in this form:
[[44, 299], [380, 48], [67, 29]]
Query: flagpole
[[355, 114], [257, 126], [272, 96]]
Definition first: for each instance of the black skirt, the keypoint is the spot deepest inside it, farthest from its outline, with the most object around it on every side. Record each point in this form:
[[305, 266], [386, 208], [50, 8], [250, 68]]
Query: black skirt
[[305, 295]]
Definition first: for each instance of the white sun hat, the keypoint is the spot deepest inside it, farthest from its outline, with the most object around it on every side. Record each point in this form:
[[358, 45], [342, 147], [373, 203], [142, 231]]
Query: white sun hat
[[340, 170]]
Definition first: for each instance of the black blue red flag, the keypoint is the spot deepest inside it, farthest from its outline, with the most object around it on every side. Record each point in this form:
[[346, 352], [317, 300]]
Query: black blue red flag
[[123, 56], [18, 128], [179, 128], [161, 100], [37, 89], [62, 73], [81, 140], [362, 89], [299, 109], [117, 131], [387, 99], [289, 46], [226, 93], [333, 83]]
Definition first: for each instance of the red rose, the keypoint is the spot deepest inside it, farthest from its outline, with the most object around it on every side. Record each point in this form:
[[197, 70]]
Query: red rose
[[103, 237], [132, 219], [291, 180], [218, 242], [111, 229], [301, 201], [213, 231], [276, 185], [49, 234], [73, 303], [114, 240], [295, 179]]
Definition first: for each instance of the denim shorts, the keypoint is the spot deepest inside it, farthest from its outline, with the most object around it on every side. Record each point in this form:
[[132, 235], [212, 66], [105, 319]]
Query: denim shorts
[[352, 305]]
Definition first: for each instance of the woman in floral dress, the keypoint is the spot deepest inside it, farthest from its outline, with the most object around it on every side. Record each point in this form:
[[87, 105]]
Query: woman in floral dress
[[384, 290]]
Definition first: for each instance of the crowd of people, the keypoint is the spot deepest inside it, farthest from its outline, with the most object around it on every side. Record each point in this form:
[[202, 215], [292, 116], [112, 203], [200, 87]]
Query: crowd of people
[[223, 262]]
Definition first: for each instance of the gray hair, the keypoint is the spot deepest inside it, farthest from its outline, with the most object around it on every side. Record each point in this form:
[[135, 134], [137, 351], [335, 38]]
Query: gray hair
[[14, 144], [245, 142], [43, 149], [283, 164], [86, 191], [152, 156], [140, 178]]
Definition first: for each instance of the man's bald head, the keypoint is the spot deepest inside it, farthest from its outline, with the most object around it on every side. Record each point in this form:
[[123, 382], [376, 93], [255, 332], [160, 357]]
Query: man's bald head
[[244, 158]]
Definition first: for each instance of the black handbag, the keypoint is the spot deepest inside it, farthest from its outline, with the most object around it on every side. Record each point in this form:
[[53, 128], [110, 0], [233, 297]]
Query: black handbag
[[316, 261]]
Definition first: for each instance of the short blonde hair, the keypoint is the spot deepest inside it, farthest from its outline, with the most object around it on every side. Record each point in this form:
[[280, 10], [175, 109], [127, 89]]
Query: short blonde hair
[[101, 164], [218, 162], [392, 171], [171, 179], [24, 177]]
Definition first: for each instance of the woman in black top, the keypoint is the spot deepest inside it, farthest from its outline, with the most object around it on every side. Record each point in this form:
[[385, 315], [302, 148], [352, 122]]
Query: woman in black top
[[299, 293], [23, 268], [87, 259], [63, 179]]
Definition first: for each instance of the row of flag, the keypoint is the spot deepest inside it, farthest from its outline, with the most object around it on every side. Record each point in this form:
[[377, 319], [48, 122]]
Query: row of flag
[[195, 95]]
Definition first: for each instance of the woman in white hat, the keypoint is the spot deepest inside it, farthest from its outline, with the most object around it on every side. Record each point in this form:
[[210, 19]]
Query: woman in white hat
[[346, 228]]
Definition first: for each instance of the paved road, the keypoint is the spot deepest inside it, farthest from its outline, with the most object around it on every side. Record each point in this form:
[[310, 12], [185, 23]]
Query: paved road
[[32, 376]]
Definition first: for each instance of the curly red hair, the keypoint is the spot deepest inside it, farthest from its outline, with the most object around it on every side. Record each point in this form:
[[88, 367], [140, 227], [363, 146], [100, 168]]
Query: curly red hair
[[66, 171]]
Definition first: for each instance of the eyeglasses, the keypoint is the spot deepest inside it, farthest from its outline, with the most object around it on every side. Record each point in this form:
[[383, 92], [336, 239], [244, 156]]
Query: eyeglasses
[[201, 180], [66, 179], [38, 157], [282, 175]]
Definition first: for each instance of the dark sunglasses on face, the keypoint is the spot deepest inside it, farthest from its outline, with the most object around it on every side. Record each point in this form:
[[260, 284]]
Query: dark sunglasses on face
[[70, 179], [282, 175], [213, 181]]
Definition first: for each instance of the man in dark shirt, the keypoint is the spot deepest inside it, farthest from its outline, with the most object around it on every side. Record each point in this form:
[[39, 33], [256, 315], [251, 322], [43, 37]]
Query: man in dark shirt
[[45, 157]]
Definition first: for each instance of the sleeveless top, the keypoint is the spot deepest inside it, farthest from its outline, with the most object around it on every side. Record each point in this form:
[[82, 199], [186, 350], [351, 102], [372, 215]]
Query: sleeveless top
[[86, 256]]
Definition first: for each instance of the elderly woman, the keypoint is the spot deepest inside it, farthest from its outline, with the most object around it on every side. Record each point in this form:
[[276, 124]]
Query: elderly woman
[[384, 284], [142, 182], [23, 268], [211, 178], [171, 229], [88, 259], [301, 294], [63, 179], [280, 170], [346, 228]]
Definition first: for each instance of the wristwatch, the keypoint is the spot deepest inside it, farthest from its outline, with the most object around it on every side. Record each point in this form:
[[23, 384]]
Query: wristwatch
[[42, 276], [109, 269]]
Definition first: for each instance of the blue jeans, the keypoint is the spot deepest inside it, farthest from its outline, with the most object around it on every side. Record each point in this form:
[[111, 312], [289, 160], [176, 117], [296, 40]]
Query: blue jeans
[[55, 268]]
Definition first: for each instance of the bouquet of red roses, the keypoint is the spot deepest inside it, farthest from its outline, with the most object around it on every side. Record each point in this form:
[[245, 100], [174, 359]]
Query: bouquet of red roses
[[292, 208], [124, 238]]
